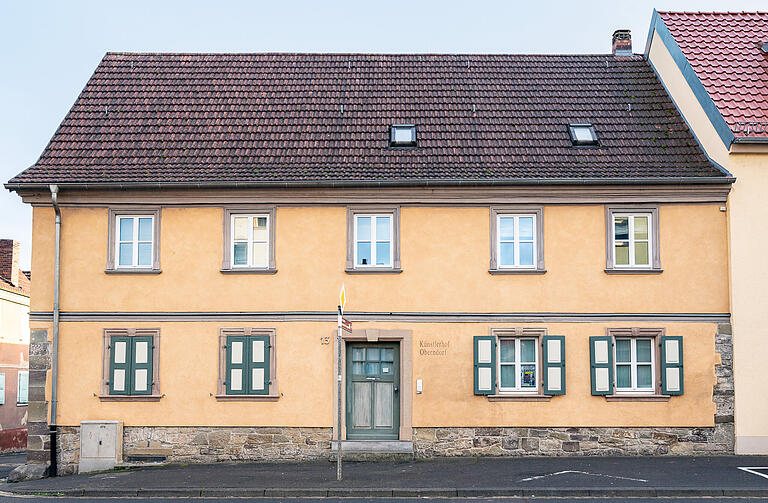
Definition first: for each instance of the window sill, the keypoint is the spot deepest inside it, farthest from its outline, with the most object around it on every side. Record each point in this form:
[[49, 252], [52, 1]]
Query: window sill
[[20, 404], [633, 271], [130, 398], [247, 398], [248, 270], [519, 398], [133, 271], [517, 271], [383, 270], [637, 398]]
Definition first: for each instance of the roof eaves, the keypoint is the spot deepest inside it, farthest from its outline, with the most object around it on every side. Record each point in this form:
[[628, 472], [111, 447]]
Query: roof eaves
[[691, 180]]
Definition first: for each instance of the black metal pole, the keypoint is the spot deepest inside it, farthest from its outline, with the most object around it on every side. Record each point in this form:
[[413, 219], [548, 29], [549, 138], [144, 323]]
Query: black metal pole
[[54, 468]]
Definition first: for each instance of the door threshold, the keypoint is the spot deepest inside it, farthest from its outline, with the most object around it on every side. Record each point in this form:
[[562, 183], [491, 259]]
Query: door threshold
[[375, 446]]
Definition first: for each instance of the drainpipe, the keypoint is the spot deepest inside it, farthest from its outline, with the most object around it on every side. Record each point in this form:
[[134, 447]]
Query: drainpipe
[[55, 353]]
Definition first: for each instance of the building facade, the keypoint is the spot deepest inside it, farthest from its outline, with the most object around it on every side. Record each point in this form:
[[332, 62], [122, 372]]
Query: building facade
[[521, 241], [14, 348], [715, 68]]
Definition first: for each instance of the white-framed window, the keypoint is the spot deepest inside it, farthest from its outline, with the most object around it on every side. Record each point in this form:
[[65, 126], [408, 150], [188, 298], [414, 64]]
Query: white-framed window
[[516, 241], [134, 241], [632, 239], [22, 395], [250, 240], [518, 365], [635, 364], [373, 243]]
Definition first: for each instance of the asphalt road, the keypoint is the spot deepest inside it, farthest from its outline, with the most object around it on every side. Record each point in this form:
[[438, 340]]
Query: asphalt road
[[23, 499]]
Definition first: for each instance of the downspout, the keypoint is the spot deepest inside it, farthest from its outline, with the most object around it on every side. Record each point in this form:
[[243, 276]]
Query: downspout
[[55, 352]]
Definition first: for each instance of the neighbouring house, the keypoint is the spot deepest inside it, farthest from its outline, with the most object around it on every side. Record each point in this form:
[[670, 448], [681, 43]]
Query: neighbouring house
[[532, 248], [714, 65], [14, 348]]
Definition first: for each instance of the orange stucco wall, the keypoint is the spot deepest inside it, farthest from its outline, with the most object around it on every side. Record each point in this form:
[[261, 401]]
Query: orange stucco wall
[[189, 370], [445, 259]]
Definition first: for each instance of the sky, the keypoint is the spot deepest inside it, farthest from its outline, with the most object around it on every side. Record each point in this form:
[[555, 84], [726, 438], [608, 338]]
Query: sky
[[50, 48]]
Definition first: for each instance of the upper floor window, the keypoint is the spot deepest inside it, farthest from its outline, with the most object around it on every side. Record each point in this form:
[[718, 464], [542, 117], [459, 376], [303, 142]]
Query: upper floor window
[[373, 240], [402, 135], [632, 239], [516, 240], [134, 240], [134, 235], [249, 240]]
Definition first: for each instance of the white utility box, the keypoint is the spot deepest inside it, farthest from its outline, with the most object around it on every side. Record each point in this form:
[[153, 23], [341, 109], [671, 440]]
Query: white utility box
[[101, 445]]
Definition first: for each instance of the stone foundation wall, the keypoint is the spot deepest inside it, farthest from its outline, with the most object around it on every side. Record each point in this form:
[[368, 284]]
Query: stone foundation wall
[[199, 444], [433, 442]]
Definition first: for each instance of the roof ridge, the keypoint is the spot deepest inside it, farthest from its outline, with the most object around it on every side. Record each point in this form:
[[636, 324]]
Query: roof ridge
[[392, 54], [713, 12]]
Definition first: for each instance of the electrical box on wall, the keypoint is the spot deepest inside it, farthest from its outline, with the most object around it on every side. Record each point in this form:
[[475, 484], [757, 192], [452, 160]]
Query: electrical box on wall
[[101, 445]]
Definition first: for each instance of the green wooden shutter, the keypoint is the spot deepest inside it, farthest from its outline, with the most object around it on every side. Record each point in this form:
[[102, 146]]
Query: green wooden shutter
[[2, 389], [120, 365], [553, 365], [23, 377], [258, 367], [237, 356], [485, 364], [672, 365], [141, 364], [601, 364]]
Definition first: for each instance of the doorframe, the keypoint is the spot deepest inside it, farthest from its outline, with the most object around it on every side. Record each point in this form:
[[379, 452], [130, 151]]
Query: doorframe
[[404, 337]]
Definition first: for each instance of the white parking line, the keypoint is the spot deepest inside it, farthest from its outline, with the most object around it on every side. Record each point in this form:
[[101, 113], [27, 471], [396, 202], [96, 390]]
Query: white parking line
[[581, 473], [751, 469]]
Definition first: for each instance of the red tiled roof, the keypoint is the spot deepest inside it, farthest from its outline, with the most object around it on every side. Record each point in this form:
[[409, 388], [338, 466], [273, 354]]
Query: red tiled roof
[[724, 49], [202, 118], [24, 286]]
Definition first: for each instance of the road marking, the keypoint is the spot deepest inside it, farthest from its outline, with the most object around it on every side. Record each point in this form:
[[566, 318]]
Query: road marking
[[581, 473], [751, 469]]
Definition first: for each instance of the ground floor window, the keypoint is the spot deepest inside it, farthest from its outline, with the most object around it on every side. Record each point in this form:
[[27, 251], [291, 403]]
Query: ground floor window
[[518, 365]]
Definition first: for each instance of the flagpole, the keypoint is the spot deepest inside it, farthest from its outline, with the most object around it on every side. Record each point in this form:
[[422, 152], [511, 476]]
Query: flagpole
[[338, 395]]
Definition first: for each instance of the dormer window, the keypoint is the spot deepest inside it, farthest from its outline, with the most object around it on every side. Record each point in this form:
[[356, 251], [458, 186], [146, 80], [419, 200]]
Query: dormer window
[[402, 135], [583, 134]]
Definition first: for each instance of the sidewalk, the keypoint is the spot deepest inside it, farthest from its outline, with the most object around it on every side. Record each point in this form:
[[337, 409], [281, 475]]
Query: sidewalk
[[462, 477]]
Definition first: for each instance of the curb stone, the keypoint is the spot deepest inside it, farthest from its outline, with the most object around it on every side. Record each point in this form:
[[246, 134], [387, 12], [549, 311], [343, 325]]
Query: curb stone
[[362, 492]]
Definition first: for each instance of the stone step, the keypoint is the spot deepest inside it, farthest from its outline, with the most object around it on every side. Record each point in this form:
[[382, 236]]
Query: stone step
[[374, 450]]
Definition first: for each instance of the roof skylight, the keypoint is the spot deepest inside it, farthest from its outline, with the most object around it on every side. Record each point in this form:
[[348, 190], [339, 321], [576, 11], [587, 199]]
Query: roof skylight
[[402, 135], [583, 134]]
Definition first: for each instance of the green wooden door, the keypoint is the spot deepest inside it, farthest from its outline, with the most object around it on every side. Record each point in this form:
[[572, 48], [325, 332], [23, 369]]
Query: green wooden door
[[373, 391]]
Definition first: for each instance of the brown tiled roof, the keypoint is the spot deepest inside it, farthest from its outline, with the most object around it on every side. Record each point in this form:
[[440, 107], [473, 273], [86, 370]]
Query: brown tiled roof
[[204, 118]]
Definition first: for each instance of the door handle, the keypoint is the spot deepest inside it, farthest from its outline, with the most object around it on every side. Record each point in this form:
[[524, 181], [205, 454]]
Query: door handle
[[397, 389]]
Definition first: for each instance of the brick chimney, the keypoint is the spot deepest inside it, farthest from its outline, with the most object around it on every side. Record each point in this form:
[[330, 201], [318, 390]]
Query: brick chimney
[[622, 43], [9, 261]]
